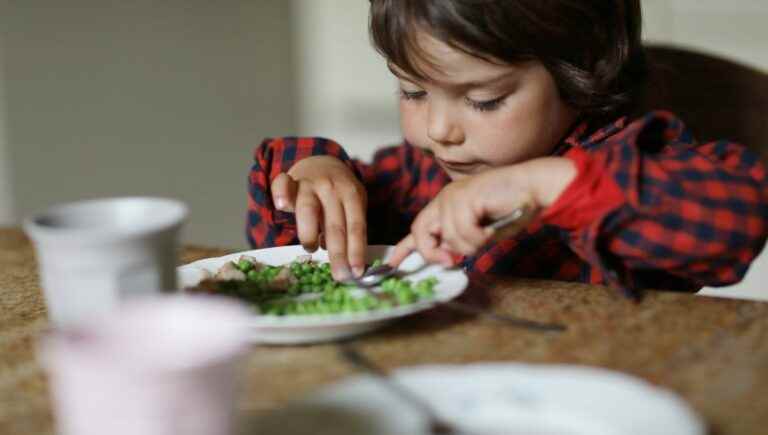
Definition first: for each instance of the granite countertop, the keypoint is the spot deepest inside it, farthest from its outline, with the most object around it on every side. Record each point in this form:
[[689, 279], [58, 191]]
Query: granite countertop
[[713, 352]]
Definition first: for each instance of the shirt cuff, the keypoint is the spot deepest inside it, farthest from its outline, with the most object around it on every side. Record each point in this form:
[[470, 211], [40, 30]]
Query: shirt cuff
[[591, 194]]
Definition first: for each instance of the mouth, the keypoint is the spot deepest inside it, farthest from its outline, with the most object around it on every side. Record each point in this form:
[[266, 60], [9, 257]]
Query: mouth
[[457, 166]]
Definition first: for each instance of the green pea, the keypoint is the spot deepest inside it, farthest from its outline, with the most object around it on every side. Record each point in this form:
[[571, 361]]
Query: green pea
[[316, 278], [404, 297], [333, 297], [252, 275], [244, 265], [425, 293], [370, 302]]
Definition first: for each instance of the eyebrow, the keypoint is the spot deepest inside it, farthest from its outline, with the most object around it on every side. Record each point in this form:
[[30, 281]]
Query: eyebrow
[[459, 85]]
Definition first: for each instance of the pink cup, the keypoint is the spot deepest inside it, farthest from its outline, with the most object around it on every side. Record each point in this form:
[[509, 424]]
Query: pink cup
[[157, 366]]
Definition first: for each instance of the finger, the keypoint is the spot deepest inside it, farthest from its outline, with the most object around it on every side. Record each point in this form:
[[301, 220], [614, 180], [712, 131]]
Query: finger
[[357, 233], [470, 235], [334, 231], [284, 190], [449, 238], [403, 249], [308, 217], [427, 236]]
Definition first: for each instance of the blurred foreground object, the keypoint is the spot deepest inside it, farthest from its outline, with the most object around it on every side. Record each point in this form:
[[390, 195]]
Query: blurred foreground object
[[156, 366], [93, 254]]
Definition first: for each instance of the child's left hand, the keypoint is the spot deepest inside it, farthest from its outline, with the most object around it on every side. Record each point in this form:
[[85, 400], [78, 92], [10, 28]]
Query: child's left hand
[[454, 222]]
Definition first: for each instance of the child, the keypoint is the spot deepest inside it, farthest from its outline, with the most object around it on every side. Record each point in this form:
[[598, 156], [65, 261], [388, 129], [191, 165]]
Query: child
[[520, 103]]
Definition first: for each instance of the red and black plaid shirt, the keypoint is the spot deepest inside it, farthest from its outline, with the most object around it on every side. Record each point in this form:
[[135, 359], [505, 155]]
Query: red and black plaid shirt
[[649, 207]]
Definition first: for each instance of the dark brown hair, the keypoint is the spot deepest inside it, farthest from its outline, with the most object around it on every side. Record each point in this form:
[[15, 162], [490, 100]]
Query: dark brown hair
[[592, 48]]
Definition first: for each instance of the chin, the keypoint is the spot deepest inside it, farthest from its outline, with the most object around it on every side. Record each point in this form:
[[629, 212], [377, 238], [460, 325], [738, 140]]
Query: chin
[[456, 176]]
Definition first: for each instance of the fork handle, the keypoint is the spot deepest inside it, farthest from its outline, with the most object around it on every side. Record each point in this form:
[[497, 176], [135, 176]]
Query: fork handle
[[356, 358], [513, 223]]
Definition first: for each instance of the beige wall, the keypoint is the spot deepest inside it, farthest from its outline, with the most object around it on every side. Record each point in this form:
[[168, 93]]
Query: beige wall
[[111, 97], [735, 29], [345, 91], [7, 205]]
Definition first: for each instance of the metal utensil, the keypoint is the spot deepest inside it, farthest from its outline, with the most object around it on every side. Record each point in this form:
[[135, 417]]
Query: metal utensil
[[367, 286], [512, 222], [437, 425], [518, 218]]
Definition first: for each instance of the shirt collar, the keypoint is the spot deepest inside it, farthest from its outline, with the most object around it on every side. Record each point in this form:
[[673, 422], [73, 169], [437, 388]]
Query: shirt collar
[[584, 135]]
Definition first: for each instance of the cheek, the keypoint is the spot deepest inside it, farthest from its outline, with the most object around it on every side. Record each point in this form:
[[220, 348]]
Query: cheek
[[508, 138], [531, 127], [411, 123]]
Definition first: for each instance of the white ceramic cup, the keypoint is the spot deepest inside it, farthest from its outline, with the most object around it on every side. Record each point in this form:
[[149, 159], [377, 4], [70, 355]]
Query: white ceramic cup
[[93, 254], [162, 365]]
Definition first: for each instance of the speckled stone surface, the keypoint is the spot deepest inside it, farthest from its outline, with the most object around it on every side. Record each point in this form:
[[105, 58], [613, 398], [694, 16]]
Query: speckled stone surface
[[713, 352]]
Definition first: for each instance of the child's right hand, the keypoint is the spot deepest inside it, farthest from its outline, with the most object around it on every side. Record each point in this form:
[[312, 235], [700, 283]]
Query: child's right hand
[[329, 203]]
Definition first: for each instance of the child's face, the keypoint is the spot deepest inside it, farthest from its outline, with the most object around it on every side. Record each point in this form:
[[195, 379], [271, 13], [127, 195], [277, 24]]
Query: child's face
[[475, 115]]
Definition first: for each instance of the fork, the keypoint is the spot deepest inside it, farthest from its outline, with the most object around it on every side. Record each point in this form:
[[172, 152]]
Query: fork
[[368, 284], [437, 426], [370, 279], [510, 223], [513, 222]]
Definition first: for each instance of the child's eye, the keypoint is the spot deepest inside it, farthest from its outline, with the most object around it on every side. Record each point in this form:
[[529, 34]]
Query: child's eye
[[487, 105], [412, 95]]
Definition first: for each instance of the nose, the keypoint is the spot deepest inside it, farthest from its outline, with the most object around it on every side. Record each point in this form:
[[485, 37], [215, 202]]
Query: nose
[[442, 127]]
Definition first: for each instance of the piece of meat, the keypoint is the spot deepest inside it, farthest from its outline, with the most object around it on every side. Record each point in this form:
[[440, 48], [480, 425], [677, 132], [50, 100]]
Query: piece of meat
[[304, 259], [283, 280], [229, 272]]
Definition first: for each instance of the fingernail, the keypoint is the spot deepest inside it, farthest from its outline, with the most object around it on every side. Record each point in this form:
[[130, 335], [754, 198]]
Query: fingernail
[[279, 203], [358, 270]]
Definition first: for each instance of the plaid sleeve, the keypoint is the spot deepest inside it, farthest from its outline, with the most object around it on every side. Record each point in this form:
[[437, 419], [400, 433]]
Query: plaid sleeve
[[682, 215], [400, 182]]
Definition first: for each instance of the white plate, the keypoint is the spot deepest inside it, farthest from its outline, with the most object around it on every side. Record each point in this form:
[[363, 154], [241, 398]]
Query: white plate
[[491, 399], [318, 328]]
